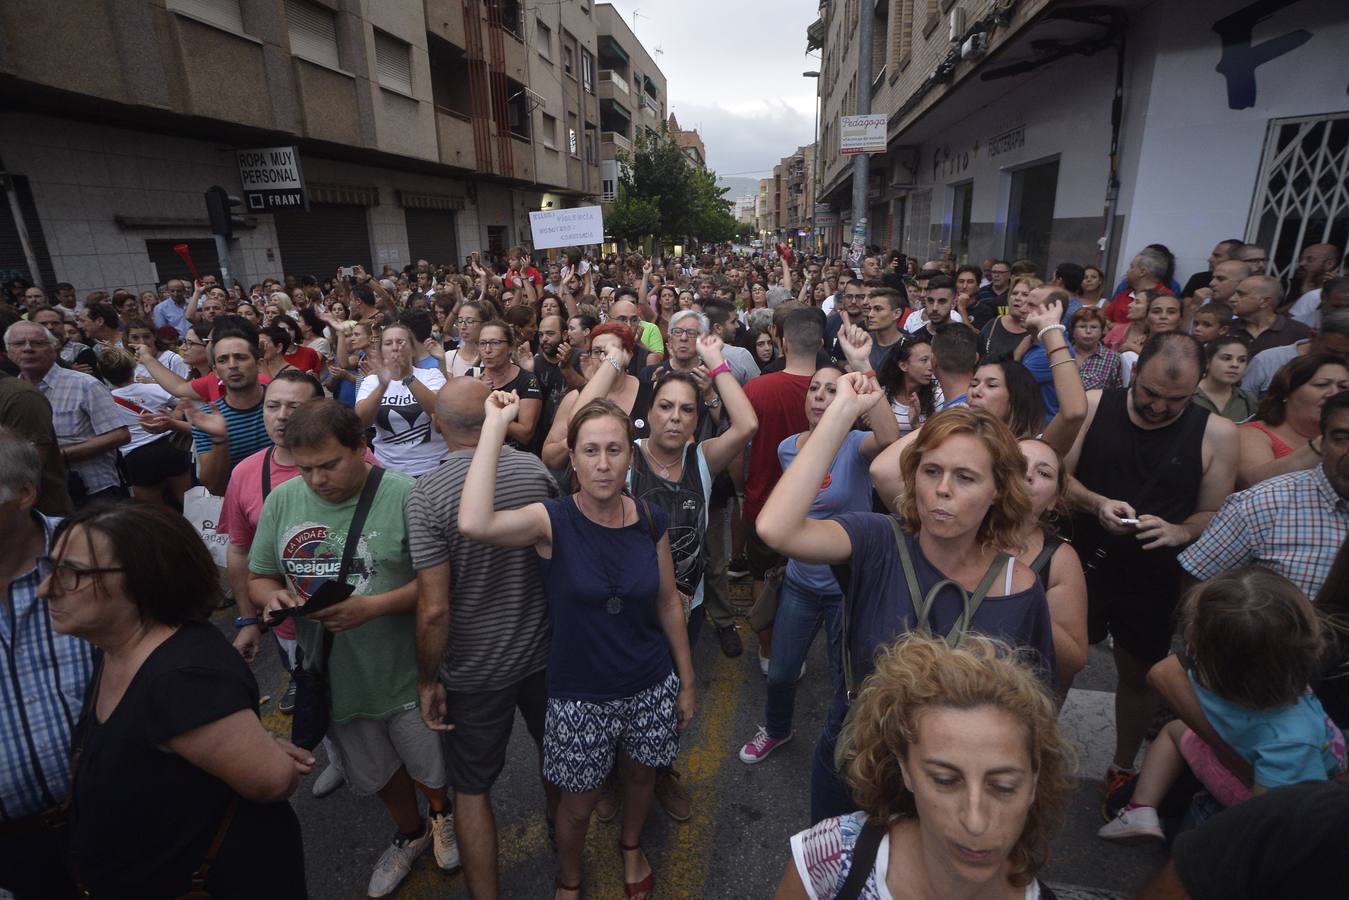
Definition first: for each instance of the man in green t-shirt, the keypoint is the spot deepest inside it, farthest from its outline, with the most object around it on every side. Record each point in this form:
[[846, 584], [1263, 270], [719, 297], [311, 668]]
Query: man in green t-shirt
[[384, 746]]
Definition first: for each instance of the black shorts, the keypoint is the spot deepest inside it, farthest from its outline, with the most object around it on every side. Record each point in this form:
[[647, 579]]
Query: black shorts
[[1141, 620], [475, 751], [153, 463], [761, 556]]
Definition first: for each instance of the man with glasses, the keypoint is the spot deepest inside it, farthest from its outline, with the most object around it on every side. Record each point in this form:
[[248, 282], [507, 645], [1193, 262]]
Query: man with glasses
[[44, 680], [1149, 470], [172, 310], [1253, 255], [624, 310], [991, 300], [853, 301]]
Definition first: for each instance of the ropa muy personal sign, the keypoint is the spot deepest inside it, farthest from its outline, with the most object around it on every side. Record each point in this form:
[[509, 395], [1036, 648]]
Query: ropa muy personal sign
[[271, 178]]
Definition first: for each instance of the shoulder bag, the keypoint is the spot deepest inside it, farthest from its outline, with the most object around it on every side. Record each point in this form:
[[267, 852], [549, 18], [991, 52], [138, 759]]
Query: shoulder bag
[[922, 606], [313, 691]]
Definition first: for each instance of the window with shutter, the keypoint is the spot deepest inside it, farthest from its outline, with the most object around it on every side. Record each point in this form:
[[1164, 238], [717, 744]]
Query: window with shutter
[[224, 13], [393, 62], [313, 32]]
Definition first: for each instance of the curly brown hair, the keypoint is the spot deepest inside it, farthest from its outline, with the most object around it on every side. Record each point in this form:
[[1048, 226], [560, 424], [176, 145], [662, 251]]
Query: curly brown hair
[[916, 674], [1001, 527]]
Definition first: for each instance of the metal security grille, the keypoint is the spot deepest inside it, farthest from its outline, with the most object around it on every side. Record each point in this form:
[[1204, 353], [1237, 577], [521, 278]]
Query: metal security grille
[[917, 238], [1302, 196], [318, 241]]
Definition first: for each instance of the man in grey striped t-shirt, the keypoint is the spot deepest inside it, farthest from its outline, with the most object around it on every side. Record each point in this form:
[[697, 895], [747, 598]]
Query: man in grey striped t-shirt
[[487, 658]]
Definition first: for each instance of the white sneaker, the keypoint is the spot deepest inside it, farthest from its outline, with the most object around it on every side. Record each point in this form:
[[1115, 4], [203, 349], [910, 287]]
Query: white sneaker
[[763, 667], [443, 841], [329, 780], [1133, 826], [395, 864]]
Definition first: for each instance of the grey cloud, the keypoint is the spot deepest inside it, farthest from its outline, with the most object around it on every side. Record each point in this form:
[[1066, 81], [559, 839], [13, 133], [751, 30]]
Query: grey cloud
[[747, 142]]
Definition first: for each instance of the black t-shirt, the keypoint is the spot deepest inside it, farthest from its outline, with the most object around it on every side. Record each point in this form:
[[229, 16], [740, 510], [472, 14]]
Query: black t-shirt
[[1289, 842], [553, 385], [143, 817], [997, 343], [1197, 280], [526, 385]]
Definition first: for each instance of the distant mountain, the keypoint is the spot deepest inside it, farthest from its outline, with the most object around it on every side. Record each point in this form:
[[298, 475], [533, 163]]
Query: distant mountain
[[739, 187]]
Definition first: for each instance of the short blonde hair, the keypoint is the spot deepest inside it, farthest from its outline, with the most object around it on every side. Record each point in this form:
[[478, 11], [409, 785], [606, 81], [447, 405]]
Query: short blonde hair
[[1030, 281], [1001, 527], [281, 299], [915, 675]]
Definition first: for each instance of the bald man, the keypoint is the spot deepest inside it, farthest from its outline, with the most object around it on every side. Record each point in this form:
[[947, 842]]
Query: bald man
[[1255, 303], [1317, 264], [475, 668]]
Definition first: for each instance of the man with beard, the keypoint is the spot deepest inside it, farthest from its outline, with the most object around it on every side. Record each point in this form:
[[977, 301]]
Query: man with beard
[[554, 353], [1149, 470], [230, 429]]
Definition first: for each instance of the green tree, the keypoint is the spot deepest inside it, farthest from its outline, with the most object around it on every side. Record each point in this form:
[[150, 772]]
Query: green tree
[[630, 218], [685, 197]]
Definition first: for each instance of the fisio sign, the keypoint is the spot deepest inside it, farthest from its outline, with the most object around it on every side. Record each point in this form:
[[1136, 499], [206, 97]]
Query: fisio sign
[[271, 178]]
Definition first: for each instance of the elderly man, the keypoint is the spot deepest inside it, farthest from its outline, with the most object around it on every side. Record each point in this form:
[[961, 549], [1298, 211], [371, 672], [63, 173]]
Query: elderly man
[[1145, 273], [1255, 303], [1331, 337], [86, 418], [1293, 524], [45, 675], [172, 310]]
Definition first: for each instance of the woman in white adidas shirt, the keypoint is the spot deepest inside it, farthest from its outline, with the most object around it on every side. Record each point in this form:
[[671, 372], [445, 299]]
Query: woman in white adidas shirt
[[959, 770]]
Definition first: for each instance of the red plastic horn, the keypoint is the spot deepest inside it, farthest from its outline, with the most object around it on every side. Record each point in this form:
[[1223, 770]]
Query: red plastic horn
[[181, 250]]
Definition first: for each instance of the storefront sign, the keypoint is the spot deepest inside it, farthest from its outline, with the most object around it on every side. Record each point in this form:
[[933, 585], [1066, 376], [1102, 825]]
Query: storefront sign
[[861, 134], [567, 227], [1007, 141], [271, 178]]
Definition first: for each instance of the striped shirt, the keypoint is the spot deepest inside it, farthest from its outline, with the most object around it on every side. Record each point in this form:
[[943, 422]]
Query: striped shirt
[[82, 409], [41, 694], [1293, 524], [499, 613], [247, 434]]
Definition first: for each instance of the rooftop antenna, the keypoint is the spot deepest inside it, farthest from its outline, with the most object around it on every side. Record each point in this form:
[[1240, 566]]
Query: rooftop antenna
[[658, 51], [635, 14]]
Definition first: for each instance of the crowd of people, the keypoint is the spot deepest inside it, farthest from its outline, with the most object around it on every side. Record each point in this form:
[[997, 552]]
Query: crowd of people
[[452, 492]]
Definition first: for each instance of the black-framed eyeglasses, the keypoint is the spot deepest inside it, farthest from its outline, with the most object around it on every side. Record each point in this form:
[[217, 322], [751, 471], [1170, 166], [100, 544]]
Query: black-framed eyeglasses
[[70, 578], [684, 332], [492, 345]]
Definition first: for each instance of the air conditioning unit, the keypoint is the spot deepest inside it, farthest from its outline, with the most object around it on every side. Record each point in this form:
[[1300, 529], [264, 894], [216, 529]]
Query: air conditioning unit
[[975, 47], [957, 25]]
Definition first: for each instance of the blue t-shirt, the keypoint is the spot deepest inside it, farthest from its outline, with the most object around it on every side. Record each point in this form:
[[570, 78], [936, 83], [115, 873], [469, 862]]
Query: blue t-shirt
[[597, 654], [1284, 746], [247, 433], [1036, 362], [847, 488]]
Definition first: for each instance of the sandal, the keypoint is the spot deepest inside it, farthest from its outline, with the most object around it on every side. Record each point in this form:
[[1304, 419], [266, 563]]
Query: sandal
[[559, 886], [637, 890]]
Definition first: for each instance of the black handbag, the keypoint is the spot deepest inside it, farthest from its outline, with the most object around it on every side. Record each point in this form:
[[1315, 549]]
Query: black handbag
[[313, 695]]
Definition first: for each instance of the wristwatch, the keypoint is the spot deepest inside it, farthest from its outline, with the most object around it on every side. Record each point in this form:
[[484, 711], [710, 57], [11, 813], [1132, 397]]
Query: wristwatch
[[713, 403], [407, 382], [242, 622]]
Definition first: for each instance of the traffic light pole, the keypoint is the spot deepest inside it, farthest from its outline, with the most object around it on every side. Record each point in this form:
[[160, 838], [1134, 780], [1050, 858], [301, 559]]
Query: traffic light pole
[[222, 252]]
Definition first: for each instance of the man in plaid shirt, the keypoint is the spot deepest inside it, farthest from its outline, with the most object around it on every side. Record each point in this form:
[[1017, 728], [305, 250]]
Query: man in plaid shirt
[[1293, 524]]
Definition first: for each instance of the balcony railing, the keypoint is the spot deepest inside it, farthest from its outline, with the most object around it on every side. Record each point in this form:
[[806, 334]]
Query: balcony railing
[[618, 140], [613, 79]]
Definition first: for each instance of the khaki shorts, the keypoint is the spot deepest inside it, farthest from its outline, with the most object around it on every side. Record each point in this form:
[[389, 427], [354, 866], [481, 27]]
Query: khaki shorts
[[372, 750]]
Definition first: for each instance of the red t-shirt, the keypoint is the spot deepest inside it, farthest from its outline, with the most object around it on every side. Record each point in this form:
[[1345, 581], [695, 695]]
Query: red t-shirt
[[306, 359], [779, 400], [210, 388], [1117, 310]]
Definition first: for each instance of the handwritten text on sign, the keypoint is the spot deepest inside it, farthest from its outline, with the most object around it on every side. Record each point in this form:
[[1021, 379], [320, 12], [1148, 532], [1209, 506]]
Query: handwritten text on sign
[[567, 227]]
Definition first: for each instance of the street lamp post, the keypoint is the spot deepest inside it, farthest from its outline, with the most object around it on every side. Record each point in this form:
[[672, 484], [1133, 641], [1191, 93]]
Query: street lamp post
[[815, 161]]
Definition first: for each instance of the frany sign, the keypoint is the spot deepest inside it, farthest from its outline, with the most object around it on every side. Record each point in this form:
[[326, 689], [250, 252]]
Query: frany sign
[[271, 178]]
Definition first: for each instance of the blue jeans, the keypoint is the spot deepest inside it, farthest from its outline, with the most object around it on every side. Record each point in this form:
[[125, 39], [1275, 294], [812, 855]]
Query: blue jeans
[[829, 794], [800, 613]]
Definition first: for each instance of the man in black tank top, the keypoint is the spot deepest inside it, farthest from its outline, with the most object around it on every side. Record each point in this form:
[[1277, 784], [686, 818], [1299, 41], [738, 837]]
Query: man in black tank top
[[1149, 471]]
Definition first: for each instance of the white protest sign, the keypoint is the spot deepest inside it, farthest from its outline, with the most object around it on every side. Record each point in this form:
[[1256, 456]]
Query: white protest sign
[[567, 227], [271, 178], [861, 134]]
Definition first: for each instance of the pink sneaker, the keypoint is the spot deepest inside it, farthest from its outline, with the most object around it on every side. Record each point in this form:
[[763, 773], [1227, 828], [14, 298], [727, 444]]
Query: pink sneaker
[[761, 745]]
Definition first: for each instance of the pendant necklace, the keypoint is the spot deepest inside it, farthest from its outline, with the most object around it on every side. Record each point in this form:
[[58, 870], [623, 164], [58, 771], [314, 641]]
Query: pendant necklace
[[614, 605], [646, 445]]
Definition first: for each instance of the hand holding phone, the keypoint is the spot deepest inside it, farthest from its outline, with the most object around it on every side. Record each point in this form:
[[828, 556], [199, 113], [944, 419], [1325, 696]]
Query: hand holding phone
[[329, 593]]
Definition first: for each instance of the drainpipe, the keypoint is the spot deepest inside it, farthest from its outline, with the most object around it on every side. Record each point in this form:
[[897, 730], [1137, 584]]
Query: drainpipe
[[1108, 236]]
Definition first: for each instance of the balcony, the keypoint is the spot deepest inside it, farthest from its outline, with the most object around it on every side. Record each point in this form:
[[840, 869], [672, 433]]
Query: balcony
[[616, 142], [611, 84], [455, 135]]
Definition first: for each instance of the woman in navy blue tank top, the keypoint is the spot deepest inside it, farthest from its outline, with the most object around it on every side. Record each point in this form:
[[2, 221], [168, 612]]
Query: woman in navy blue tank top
[[618, 636], [965, 503]]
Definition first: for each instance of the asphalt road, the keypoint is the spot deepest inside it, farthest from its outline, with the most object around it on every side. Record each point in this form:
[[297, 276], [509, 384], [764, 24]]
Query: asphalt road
[[736, 844]]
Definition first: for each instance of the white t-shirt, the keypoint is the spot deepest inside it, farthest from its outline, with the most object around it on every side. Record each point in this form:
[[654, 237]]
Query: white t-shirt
[[915, 321], [1307, 309], [169, 360], [404, 438], [151, 397]]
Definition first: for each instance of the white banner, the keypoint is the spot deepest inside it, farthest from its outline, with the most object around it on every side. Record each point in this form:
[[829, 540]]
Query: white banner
[[862, 134], [567, 227]]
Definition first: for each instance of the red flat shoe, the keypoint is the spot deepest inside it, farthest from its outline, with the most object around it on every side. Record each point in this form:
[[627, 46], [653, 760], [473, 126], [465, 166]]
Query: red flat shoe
[[637, 890]]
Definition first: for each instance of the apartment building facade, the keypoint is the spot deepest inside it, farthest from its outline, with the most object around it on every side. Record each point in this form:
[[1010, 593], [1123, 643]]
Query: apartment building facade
[[632, 94], [1056, 130], [422, 129]]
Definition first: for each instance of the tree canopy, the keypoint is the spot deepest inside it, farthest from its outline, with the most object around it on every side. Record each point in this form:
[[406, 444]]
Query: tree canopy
[[663, 194]]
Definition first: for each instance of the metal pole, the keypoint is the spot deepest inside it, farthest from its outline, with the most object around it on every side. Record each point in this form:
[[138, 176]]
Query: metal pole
[[222, 252], [861, 163]]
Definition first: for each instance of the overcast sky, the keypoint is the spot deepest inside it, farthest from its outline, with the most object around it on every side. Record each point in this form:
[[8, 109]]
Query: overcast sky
[[734, 72]]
